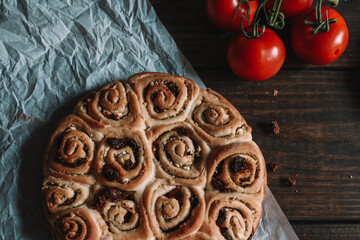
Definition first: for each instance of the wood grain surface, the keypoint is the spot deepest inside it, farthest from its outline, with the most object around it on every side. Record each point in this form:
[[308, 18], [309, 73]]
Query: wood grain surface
[[318, 111]]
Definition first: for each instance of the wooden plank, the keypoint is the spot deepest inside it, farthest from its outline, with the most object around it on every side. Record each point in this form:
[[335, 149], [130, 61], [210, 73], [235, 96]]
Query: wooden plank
[[205, 46], [313, 231]]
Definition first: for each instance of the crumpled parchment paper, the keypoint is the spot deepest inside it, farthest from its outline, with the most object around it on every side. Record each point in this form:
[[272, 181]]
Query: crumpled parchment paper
[[51, 54]]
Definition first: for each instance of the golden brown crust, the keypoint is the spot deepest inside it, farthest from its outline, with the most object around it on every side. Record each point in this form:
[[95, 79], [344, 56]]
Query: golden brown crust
[[237, 167], [113, 106], [124, 160], [77, 224], [179, 153], [164, 98], [60, 195], [153, 158], [199, 236], [218, 121], [174, 211], [123, 212], [231, 215], [71, 149], [142, 231]]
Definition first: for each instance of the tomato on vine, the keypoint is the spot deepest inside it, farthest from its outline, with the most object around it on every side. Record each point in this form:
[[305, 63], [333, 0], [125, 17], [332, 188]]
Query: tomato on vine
[[319, 36], [256, 54], [228, 14]]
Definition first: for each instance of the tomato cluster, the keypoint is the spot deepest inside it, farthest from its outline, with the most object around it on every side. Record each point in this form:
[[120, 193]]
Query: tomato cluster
[[319, 35]]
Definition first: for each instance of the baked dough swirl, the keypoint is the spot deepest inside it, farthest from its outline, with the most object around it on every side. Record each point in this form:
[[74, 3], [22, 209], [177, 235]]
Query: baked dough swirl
[[70, 152], [217, 121], [124, 160], [123, 213], [238, 167], [113, 105], [174, 211], [59, 194], [77, 224], [231, 216], [164, 98], [179, 153]]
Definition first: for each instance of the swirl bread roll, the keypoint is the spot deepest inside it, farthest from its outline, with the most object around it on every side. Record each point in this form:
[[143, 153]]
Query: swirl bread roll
[[174, 211], [70, 152], [124, 160], [218, 121], [238, 167], [123, 212], [231, 216], [112, 106], [179, 153], [164, 98], [59, 194], [78, 224]]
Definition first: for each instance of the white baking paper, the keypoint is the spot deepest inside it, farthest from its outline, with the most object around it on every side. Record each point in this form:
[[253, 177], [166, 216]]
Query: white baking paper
[[51, 54], [273, 224]]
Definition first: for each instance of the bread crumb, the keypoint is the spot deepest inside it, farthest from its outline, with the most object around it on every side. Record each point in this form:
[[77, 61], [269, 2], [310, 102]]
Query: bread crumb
[[273, 166], [292, 182], [275, 127]]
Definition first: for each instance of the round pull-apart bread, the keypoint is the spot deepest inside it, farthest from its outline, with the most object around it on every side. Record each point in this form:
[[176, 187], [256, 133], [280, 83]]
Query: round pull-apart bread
[[154, 157]]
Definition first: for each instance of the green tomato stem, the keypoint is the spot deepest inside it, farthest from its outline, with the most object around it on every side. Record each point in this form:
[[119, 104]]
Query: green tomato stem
[[246, 2], [277, 18], [255, 25], [319, 25]]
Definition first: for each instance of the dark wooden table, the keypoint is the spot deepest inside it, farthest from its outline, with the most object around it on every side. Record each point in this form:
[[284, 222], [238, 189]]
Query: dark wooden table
[[317, 108]]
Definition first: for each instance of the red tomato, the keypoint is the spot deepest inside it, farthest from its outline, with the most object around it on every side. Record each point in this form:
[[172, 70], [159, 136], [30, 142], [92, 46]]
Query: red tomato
[[291, 8], [321, 48], [221, 13], [258, 58]]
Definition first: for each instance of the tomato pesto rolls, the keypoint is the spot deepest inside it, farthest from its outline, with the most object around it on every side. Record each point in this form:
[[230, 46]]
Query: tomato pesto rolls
[[155, 157]]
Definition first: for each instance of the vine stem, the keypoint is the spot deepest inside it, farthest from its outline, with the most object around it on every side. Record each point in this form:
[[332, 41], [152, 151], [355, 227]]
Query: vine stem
[[238, 6], [319, 25], [255, 25], [246, 2], [277, 18]]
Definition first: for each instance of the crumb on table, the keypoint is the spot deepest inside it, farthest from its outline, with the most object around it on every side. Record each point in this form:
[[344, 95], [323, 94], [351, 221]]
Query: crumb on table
[[273, 166], [275, 127], [292, 182]]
